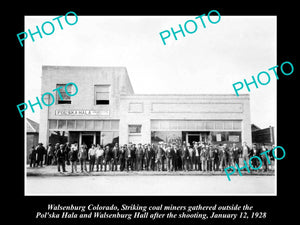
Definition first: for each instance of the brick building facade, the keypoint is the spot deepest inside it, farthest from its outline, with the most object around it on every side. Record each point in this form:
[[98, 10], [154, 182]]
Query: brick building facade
[[106, 110]]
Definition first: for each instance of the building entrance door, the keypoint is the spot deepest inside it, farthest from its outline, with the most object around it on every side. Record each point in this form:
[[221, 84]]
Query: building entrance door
[[193, 137], [88, 139], [197, 136]]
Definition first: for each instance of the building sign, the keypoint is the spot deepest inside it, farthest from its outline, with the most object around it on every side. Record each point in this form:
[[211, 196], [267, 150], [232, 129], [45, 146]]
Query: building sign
[[76, 112], [234, 138]]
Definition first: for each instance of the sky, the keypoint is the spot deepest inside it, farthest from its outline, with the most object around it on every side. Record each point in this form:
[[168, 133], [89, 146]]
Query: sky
[[208, 61]]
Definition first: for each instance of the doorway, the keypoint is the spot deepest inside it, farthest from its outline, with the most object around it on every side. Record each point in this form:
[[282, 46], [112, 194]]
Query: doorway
[[88, 139], [197, 136], [193, 138]]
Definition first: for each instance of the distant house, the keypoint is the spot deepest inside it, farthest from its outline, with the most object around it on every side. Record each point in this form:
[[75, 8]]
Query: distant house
[[262, 136], [32, 135]]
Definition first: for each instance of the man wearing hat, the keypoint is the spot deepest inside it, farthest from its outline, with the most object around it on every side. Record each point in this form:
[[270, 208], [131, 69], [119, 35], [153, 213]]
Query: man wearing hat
[[122, 158], [61, 157], [128, 161], [107, 158], [139, 156], [40, 154], [152, 157], [158, 157]]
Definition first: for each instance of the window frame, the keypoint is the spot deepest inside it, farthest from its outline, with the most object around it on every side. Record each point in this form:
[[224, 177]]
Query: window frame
[[101, 101], [62, 90]]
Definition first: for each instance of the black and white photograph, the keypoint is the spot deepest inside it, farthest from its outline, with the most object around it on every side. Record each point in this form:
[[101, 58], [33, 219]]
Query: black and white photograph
[[121, 108], [174, 117]]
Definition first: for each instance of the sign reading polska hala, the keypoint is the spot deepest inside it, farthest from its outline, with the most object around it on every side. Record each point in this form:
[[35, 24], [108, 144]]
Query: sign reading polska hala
[[80, 112]]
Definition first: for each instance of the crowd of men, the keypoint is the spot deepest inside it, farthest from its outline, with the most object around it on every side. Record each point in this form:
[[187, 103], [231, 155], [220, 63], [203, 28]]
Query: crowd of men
[[197, 156]]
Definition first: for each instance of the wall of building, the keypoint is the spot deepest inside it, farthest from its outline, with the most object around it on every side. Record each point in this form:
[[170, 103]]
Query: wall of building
[[141, 109], [85, 78], [127, 108]]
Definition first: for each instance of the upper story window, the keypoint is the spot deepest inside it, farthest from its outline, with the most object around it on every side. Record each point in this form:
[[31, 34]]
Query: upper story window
[[66, 99], [102, 94]]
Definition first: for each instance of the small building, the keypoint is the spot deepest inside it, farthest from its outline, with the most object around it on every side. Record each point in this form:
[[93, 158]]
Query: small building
[[32, 135], [262, 136], [106, 110]]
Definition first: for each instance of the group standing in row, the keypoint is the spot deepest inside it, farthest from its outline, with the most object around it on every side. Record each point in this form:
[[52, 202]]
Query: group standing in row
[[198, 156]]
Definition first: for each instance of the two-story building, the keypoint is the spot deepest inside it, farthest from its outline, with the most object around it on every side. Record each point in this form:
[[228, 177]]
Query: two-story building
[[106, 110]]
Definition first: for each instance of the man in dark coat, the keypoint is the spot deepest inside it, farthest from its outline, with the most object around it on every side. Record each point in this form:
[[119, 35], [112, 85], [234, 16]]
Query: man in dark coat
[[152, 158], [122, 158], [185, 157], [211, 158], [128, 161], [169, 152], [216, 156], [40, 154], [146, 156], [176, 156], [73, 157], [67, 150], [32, 156], [139, 156], [115, 157], [236, 154], [107, 157]]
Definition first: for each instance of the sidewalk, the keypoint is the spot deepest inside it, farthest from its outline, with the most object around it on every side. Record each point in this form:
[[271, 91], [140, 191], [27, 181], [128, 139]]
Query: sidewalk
[[52, 171]]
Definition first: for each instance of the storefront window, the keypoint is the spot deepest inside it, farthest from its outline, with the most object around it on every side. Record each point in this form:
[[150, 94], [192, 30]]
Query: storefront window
[[71, 124], [200, 125], [219, 125], [60, 137], [62, 124], [115, 125], [80, 124], [92, 125], [194, 125], [166, 136], [53, 124], [228, 137], [228, 125], [109, 137], [98, 124], [209, 125], [89, 124], [106, 125], [135, 129], [237, 125]]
